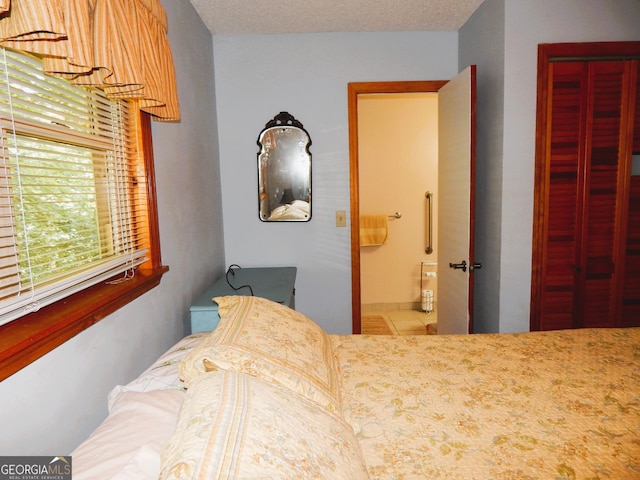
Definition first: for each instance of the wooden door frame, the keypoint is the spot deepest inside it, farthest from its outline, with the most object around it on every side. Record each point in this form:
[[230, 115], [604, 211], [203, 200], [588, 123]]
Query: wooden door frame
[[355, 89], [547, 54]]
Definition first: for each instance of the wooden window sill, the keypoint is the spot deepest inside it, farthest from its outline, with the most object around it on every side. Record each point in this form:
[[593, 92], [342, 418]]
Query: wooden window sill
[[28, 338]]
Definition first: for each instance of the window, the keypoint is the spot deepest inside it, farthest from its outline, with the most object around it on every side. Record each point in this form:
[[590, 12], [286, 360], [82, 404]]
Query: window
[[76, 193], [69, 155]]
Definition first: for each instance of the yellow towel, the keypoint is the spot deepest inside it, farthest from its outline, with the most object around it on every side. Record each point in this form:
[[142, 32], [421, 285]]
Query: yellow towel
[[374, 230]]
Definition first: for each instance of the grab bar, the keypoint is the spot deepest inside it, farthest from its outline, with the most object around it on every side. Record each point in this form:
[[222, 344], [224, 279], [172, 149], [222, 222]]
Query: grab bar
[[429, 247], [396, 215]]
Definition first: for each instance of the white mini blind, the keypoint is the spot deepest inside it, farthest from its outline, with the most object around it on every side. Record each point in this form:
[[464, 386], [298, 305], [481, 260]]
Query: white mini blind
[[69, 172]]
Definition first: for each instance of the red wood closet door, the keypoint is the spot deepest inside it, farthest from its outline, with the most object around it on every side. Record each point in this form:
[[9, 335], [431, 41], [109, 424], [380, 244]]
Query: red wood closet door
[[587, 227], [565, 150], [631, 289], [605, 192]]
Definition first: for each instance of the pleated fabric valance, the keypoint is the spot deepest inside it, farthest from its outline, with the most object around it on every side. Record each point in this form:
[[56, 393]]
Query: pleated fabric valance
[[120, 46]]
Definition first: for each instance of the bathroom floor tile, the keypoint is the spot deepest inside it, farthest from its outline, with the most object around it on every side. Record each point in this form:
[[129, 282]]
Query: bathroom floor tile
[[408, 322]]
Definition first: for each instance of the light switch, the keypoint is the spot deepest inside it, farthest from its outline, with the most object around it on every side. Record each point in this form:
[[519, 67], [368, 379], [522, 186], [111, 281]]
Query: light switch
[[341, 218]]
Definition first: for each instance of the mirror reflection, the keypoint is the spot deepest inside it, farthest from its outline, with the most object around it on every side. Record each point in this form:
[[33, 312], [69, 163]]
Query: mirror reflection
[[284, 171]]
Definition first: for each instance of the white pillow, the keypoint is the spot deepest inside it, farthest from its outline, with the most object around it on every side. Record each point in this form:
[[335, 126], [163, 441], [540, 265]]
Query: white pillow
[[127, 444], [163, 373], [236, 426]]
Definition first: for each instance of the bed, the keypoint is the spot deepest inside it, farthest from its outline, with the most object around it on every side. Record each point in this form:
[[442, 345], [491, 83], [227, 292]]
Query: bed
[[270, 395]]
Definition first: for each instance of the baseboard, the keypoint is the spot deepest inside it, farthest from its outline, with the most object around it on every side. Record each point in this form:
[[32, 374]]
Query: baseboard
[[376, 307]]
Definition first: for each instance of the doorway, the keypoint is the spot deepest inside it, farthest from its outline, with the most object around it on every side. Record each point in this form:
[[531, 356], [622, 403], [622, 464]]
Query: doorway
[[357, 90], [456, 189], [398, 150]]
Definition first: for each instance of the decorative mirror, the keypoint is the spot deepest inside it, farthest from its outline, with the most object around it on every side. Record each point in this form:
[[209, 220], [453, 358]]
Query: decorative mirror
[[284, 171]]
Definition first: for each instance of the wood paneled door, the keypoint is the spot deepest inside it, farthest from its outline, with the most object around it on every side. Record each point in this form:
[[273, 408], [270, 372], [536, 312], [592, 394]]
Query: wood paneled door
[[586, 245]]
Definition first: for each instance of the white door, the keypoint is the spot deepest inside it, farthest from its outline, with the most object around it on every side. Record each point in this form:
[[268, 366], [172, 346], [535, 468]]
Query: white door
[[456, 177]]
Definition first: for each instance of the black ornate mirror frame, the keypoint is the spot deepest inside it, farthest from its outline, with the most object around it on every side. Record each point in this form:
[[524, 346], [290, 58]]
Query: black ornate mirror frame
[[284, 171]]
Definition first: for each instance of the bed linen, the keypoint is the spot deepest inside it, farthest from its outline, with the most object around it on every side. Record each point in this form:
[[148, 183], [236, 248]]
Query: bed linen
[[542, 405], [268, 340], [238, 426]]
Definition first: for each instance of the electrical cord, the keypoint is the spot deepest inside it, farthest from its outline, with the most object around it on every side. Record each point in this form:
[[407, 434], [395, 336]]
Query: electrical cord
[[230, 271]]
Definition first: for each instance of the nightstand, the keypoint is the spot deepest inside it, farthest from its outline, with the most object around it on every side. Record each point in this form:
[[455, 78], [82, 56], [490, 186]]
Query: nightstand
[[273, 283]]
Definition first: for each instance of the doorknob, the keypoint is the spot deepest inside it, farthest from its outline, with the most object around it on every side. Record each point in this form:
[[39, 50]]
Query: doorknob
[[459, 266], [463, 266]]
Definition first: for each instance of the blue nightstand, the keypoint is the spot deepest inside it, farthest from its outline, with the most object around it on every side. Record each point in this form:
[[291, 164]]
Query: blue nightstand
[[274, 283]]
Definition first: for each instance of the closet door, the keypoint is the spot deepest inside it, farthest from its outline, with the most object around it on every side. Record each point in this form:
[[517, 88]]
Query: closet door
[[600, 264], [630, 315], [584, 192], [561, 206]]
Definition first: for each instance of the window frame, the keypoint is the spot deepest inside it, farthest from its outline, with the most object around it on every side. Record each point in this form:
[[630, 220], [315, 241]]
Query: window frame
[[26, 339]]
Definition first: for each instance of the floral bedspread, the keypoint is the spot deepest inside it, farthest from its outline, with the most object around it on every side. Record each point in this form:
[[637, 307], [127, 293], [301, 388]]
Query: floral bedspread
[[543, 405]]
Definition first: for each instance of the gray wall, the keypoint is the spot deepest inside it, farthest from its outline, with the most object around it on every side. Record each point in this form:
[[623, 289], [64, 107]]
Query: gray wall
[[482, 43], [258, 76], [51, 405], [506, 162]]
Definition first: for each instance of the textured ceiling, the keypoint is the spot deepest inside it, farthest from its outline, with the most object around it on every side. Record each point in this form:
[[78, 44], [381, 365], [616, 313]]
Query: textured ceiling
[[307, 16]]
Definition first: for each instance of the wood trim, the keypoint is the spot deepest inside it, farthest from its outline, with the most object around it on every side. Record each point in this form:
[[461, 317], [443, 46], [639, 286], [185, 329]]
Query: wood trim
[[472, 194], [541, 186], [353, 90], [152, 203], [354, 187], [26, 339], [588, 51]]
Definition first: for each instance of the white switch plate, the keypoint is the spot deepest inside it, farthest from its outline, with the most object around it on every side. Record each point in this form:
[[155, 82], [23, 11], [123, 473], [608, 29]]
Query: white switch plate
[[341, 218]]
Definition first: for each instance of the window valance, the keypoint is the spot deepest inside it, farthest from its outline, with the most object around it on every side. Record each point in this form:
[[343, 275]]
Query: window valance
[[120, 46]]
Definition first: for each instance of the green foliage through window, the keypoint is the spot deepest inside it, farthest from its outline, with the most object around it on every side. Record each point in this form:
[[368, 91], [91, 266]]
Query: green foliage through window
[[59, 213]]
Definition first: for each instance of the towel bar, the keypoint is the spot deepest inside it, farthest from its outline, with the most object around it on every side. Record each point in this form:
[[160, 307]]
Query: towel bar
[[396, 215]]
